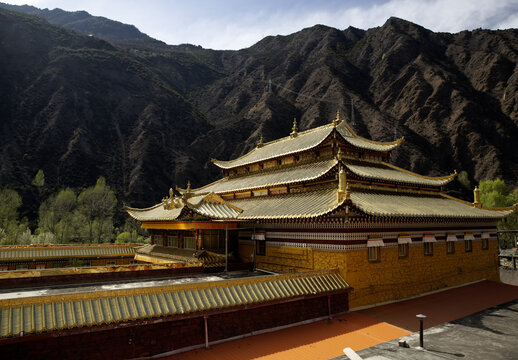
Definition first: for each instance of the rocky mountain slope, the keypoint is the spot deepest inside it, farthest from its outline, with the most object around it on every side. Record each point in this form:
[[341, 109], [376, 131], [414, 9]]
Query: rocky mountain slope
[[149, 117]]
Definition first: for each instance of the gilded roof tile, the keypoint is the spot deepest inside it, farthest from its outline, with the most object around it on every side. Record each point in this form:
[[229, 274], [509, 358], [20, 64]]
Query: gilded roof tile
[[386, 172], [288, 145], [396, 205], [268, 178], [289, 206], [305, 140], [54, 313]]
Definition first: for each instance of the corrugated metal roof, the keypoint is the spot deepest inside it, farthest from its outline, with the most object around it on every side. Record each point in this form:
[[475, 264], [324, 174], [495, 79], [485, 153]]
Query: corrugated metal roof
[[31, 252], [420, 206], [53, 313], [267, 178]]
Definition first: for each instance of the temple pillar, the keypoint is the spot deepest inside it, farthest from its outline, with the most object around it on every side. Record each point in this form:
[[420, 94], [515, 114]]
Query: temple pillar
[[199, 239]]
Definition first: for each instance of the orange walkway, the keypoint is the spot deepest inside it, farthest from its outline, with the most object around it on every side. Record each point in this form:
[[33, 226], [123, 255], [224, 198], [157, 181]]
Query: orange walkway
[[360, 329]]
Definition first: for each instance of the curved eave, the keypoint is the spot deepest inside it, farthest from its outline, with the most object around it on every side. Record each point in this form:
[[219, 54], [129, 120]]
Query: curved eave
[[270, 152], [441, 180], [365, 144], [395, 175]]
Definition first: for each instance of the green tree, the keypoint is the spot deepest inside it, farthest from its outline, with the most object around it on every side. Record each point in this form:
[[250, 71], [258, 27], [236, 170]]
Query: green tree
[[39, 179], [12, 230], [495, 193], [56, 215], [97, 206], [10, 201]]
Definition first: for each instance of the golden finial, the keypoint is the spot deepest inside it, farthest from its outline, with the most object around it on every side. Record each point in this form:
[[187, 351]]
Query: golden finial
[[171, 194], [260, 143], [337, 120], [339, 154], [188, 186], [342, 184], [294, 129]]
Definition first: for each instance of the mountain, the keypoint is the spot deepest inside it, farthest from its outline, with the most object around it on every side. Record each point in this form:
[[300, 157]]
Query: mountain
[[148, 117]]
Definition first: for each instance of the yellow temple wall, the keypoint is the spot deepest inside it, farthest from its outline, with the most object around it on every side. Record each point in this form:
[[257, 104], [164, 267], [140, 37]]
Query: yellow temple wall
[[392, 277]]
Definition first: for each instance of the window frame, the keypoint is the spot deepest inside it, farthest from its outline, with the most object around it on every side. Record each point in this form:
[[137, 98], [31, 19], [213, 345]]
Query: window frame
[[485, 244], [403, 254], [428, 248], [448, 245], [468, 245], [374, 254]]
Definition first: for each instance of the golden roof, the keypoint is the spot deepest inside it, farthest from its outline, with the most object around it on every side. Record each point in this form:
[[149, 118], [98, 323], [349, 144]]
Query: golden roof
[[11, 253], [268, 178], [388, 172], [66, 311], [307, 204], [209, 205], [406, 205], [305, 140]]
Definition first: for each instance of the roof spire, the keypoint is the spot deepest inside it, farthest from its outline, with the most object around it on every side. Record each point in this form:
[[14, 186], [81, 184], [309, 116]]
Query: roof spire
[[336, 120], [188, 186], [294, 129], [260, 143]]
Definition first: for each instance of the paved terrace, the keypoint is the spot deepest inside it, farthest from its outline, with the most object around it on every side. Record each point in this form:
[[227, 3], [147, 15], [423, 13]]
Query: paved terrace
[[370, 327]]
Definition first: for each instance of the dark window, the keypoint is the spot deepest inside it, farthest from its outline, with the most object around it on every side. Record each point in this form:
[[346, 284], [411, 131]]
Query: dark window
[[373, 253], [450, 247], [468, 244], [485, 244], [428, 248], [261, 247], [403, 250]]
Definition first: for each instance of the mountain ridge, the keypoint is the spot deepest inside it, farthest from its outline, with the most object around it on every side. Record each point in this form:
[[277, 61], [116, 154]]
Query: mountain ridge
[[148, 117]]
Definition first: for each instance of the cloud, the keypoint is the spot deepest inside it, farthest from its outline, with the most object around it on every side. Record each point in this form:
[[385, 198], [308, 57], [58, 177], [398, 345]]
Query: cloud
[[244, 29], [235, 24]]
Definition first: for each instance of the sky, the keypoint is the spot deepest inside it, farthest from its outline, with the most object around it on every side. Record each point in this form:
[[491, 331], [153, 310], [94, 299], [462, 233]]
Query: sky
[[236, 24]]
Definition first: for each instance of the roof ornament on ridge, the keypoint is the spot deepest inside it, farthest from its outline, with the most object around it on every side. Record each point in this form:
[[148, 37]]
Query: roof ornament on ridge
[[172, 202], [336, 121], [260, 143], [294, 129]]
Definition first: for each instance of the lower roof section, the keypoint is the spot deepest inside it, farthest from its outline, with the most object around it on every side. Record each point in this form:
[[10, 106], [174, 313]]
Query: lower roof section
[[401, 205], [31, 252], [53, 313]]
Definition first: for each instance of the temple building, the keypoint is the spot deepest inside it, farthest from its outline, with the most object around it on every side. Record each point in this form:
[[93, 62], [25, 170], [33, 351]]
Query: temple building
[[326, 199]]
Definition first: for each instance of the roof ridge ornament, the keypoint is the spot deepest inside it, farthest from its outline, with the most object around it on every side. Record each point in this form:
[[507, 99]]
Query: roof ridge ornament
[[294, 129], [336, 121], [339, 154], [260, 143]]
